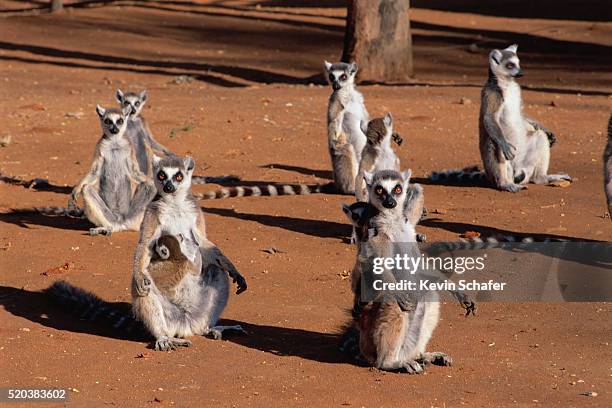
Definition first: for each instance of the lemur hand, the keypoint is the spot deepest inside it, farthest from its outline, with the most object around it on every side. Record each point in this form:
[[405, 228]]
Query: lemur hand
[[142, 284], [508, 150]]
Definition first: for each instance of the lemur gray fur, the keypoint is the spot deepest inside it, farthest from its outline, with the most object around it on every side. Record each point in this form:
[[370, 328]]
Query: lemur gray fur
[[345, 112], [515, 149], [198, 307], [115, 192]]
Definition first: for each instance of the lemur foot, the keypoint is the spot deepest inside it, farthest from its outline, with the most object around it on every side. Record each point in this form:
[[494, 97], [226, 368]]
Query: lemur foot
[[216, 332], [436, 358], [513, 188], [100, 231], [170, 343], [413, 367]]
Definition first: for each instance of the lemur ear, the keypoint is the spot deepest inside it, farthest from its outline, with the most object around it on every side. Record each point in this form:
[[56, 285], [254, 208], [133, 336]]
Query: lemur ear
[[155, 159], [353, 68], [119, 95], [388, 119], [368, 177], [189, 163], [496, 56], [101, 111], [328, 65], [513, 48], [364, 126], [406, 174], [143, 95]]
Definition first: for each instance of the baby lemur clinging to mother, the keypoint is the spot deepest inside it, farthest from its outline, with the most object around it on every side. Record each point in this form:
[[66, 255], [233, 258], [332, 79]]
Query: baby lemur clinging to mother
[[200, 298], [393, 334], [115, 191]]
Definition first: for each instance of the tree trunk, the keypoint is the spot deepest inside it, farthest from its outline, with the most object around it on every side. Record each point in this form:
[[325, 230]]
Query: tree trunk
[[378, 38], [56, 5]]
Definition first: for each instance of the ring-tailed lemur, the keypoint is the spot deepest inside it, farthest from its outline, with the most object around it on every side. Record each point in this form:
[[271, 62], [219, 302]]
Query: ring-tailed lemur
[[203, 298], [115, 192], [393, 335], [377, 154], [145, 144], [345, 112], [515, 149], [607, 159]]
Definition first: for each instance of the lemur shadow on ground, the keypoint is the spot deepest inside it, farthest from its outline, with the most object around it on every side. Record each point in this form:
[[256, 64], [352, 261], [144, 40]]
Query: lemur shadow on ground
[[25, 219], [284, 341], [280, 341], [326, 174], [38, 308], [316, 228]]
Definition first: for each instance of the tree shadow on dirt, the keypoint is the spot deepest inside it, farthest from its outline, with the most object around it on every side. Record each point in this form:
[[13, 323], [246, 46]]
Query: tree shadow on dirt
[[26, 218], [326, 174], [315, 228], [245, 73], [37, 307]]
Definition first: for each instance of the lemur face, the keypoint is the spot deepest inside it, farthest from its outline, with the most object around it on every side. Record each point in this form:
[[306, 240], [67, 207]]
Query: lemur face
[[387, 189], [340, 74], [354, 212], [113, 121], [172, 174], [134, 101], [505, 63]]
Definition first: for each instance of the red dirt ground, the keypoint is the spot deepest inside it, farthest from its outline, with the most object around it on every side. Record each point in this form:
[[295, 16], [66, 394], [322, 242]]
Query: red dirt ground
[[250, 111]]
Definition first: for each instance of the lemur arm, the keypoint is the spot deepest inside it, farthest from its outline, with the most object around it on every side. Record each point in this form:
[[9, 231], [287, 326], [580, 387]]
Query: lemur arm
[[336, 115], [134, 169], [552, 139], [90, 178], [211, 253], [149, 230], [493, 103]]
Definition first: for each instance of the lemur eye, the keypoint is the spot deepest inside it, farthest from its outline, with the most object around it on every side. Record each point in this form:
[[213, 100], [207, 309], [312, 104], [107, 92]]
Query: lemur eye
[[161, 175], [178, 176], [378, 190], [510, 65], [331, 77], [107, 121], [397, 189], [126, 103], [137, 104], [343, 77], [120, 121]]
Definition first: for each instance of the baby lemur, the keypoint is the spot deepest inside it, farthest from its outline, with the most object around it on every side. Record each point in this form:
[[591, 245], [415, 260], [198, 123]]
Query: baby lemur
[[169, 265], [515, 149], [345, 112], [196, 307], [607, 159], [393, 334], [115, 192]]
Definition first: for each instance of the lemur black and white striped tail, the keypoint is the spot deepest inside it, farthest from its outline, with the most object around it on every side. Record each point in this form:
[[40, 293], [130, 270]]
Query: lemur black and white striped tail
[[52, 211], [495, 241], [268, 190], [214, 179], [90, 307], [467, 174]]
